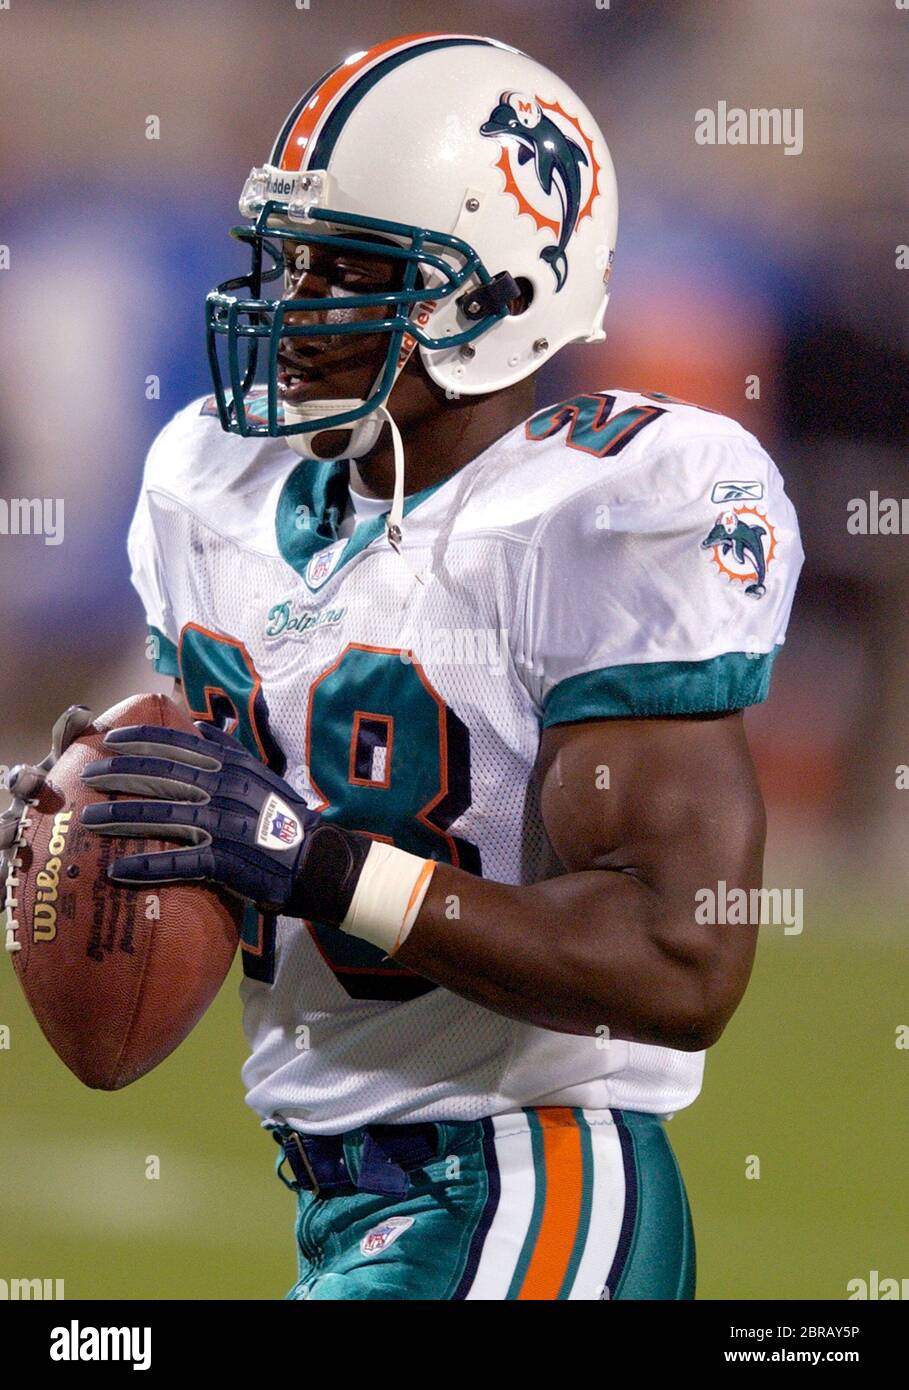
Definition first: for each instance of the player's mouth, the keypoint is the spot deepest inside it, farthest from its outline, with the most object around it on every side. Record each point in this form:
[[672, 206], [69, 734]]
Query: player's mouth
[[294, 380], [299, 371]]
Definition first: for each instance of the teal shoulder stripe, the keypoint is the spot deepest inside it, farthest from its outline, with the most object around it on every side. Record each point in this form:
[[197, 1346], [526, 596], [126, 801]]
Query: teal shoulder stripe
[[539, 1203], [164, 653], [653, 688]]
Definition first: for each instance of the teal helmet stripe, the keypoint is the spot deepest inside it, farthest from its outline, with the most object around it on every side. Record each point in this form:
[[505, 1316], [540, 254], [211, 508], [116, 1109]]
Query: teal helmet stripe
[[323, 148], [278, 148]]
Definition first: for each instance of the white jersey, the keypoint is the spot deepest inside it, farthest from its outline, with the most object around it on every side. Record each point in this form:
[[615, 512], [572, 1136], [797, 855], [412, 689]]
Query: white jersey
[[618, 554]]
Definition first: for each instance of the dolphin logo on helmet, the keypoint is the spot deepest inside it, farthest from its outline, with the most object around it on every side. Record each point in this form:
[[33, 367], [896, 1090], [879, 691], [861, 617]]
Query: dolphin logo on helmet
[[557, 163]]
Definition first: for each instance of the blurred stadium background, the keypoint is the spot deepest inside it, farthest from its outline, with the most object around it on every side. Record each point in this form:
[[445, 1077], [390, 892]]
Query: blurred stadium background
[[733, 261]]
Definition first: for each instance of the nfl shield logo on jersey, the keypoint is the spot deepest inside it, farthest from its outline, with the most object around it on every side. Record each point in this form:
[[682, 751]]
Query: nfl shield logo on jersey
[[323, 564]]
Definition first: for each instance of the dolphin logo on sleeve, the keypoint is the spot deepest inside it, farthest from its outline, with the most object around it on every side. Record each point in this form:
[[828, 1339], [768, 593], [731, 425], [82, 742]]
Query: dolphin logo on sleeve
[[558, 161], [744, 542]]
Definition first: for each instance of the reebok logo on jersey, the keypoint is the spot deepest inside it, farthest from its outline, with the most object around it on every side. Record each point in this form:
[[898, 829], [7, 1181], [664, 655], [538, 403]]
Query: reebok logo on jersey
[[735, 491], [385, 1234], [278, 828]]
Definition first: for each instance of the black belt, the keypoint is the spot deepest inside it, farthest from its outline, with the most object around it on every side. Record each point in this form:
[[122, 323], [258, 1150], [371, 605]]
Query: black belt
[[388, 1154]]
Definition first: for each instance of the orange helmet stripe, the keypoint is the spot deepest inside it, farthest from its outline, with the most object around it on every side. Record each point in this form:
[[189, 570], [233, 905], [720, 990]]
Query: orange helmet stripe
[[300, 137]]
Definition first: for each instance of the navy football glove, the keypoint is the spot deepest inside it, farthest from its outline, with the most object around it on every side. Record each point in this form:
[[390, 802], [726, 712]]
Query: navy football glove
[[241, 825]]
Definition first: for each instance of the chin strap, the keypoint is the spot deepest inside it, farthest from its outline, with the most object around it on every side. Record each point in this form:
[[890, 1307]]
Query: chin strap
[[363, 438], [395, 517], [362, 435], [365, 433]]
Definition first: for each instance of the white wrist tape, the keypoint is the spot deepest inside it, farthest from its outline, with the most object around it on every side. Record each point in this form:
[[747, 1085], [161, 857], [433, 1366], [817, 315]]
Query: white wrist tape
[[388, 896]]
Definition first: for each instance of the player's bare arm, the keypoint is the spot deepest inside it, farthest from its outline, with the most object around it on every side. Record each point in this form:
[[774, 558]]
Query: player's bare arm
[[615, 941]]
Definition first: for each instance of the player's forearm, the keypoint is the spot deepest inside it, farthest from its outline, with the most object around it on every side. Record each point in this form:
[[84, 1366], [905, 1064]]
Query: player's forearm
[[575, 954], [596, 949]]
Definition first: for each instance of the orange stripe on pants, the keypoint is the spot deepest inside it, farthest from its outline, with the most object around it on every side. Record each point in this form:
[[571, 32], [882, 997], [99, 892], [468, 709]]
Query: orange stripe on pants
[[562, 1211]]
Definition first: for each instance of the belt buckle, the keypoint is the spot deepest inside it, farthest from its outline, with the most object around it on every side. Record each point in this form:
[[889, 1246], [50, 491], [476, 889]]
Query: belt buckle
[[304, 1158]]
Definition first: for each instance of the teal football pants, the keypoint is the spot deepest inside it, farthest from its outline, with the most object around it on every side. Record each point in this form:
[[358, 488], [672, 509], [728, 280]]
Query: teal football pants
[[545, 1203]]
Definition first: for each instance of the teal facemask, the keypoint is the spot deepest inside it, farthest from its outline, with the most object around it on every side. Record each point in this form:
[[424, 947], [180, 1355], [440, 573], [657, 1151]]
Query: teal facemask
[[237, 327]]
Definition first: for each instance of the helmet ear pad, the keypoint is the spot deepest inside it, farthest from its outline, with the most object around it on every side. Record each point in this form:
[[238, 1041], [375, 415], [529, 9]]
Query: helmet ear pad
[[418, 393], [520, 306]]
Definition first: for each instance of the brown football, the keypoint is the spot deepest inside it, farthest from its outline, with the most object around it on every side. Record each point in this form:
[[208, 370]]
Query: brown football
[[116, 977]]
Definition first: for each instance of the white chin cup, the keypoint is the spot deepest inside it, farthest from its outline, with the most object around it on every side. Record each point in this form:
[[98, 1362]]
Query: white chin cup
[[362, 433]]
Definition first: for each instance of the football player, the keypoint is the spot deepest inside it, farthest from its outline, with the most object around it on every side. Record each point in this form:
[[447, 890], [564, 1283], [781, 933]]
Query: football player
[[469, 679]]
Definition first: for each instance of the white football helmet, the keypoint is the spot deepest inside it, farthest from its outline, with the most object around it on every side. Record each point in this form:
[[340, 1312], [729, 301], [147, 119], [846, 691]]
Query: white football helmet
[[487, 177]]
